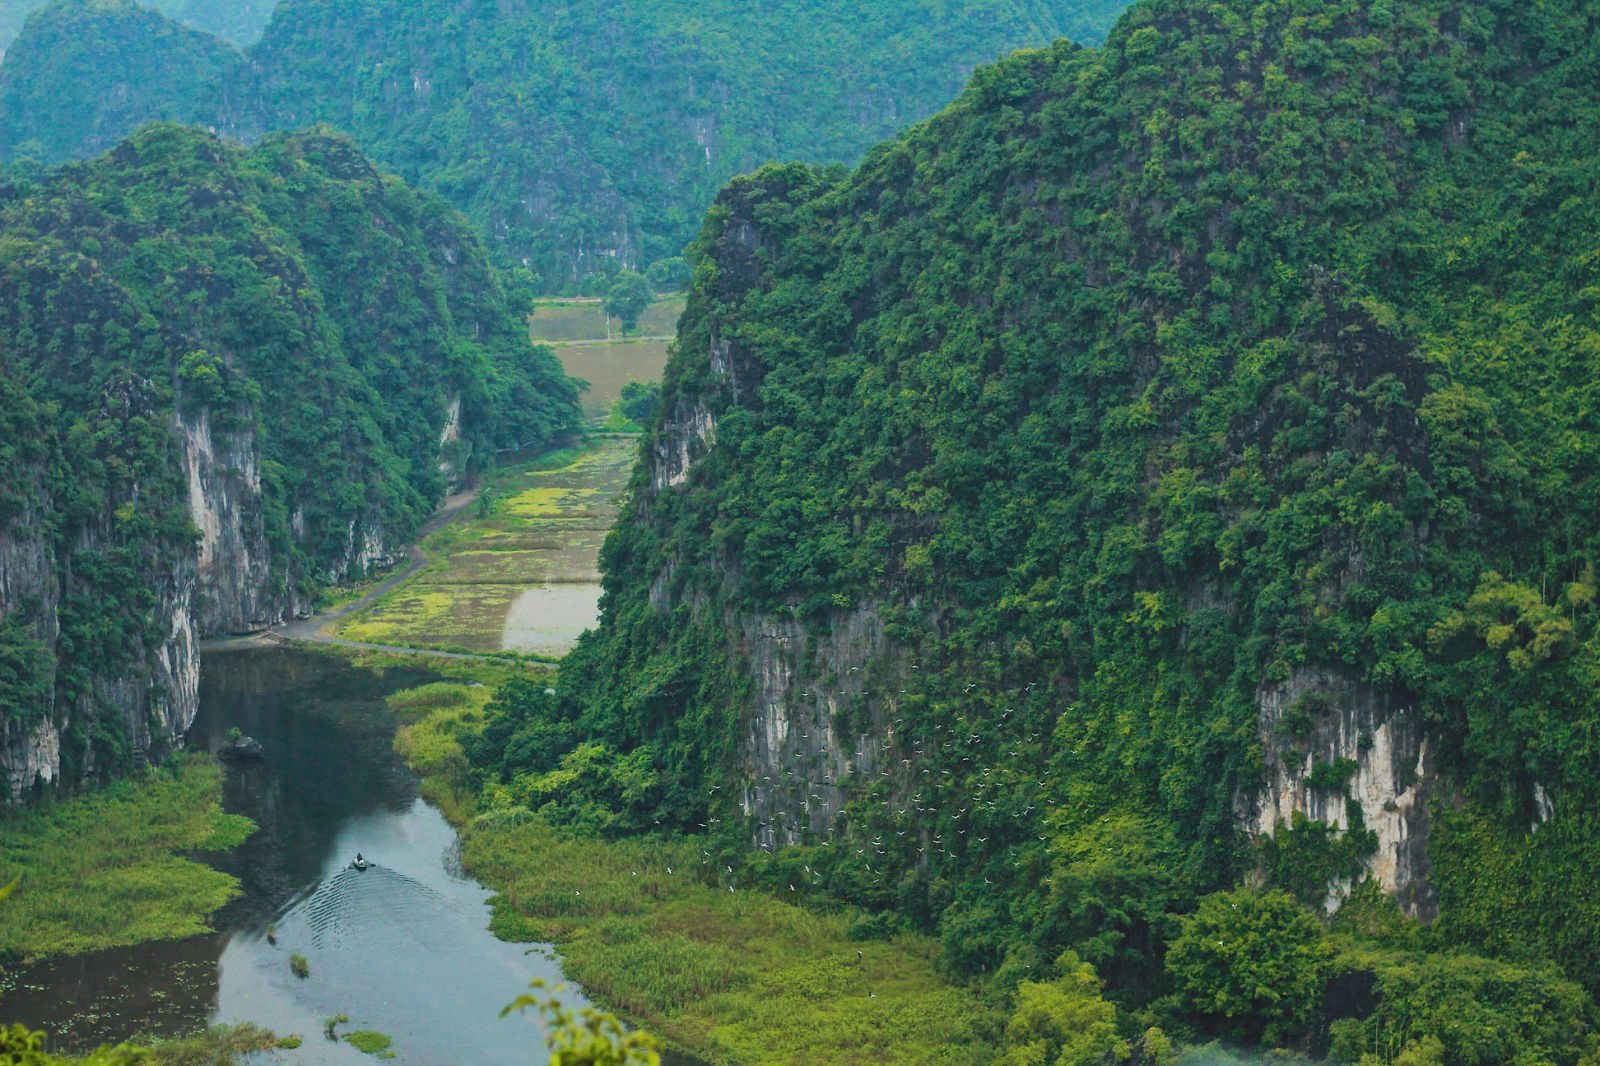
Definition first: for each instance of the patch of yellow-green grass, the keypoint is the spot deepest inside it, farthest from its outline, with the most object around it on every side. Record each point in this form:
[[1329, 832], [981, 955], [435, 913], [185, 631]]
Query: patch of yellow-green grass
[[454, 617], [738, 976], [408, 608], [111, 868], [552, 501]]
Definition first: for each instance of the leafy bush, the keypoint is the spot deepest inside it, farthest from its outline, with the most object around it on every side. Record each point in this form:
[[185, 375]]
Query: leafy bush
[[1251, 965]]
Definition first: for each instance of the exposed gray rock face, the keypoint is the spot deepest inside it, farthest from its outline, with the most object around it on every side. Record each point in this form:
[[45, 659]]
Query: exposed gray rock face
[[152, 700], [227, 583], [225, 503], [1393, 782], [30, 751], [454, 450], [816, 729], [688, 432]]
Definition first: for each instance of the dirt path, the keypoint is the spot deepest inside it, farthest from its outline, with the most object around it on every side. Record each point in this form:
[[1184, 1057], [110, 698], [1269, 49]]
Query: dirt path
[[315, 629]]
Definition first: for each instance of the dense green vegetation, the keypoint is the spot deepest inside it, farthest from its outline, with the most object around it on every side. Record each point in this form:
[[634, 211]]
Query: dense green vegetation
[[580, 138], [1253, 349], [63, 94], [239, 21], [112, 868], [303, 321], [669, 935]]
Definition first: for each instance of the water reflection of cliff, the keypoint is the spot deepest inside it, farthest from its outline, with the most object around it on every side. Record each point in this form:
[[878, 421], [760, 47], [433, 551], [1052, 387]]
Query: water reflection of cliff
[[328, 738]]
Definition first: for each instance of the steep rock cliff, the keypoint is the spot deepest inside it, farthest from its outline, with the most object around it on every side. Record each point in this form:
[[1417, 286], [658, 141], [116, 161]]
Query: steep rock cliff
[[230, 378], [1143, 432]]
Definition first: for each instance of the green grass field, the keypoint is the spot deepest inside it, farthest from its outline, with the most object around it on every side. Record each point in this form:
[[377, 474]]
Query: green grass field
[[113, 868]]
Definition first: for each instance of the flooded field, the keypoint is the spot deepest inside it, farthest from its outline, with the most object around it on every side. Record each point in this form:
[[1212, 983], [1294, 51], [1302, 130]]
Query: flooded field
[[526, 576], [523, 578]]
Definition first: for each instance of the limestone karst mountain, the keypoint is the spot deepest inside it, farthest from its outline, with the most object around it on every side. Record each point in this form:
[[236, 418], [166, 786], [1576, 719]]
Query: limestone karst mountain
[[230, 378]]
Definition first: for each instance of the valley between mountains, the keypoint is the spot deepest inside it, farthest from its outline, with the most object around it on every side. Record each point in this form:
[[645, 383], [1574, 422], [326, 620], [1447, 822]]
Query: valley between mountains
[[1003, 532]]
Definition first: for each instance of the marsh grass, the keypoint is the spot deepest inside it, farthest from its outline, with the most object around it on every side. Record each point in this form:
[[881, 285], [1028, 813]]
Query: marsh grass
[[371, 1042], [733, 976], [220, 1045], [649, 928], [112, 868]]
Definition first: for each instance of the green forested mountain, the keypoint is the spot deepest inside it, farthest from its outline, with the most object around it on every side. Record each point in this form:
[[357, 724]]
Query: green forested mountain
[[579, 137], [239, 21], [228, 377], [92, 71], [1170, 466]]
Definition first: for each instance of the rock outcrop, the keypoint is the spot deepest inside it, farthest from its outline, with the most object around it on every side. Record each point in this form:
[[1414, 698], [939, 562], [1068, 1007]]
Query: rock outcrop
[[1320, 717]]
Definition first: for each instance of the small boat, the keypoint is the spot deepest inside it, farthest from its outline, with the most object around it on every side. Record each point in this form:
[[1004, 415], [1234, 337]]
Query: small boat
[[358, 863]]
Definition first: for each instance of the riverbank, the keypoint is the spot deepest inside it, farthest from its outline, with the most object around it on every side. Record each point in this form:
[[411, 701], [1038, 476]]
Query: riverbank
[[116, 867], [651, 928]]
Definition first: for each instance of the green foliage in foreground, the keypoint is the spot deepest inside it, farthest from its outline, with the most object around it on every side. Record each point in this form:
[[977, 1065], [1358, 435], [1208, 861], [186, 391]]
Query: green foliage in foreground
[[110, 869], [585, 1037]]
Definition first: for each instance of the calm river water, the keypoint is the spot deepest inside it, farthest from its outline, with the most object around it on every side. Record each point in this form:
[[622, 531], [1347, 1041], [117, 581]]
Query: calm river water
[[401, 948]]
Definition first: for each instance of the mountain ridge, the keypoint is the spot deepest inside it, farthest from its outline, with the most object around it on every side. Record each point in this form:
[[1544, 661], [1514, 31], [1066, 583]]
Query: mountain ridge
[[1181, 444], [612, 126]]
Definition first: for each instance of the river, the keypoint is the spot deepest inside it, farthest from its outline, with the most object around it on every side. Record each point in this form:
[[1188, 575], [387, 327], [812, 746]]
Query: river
[[401, 948]]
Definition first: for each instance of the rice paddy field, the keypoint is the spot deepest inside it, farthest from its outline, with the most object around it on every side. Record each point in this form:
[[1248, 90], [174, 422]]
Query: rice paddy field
[[609, 366], [559, 321], [524, 577], [578, 333]]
